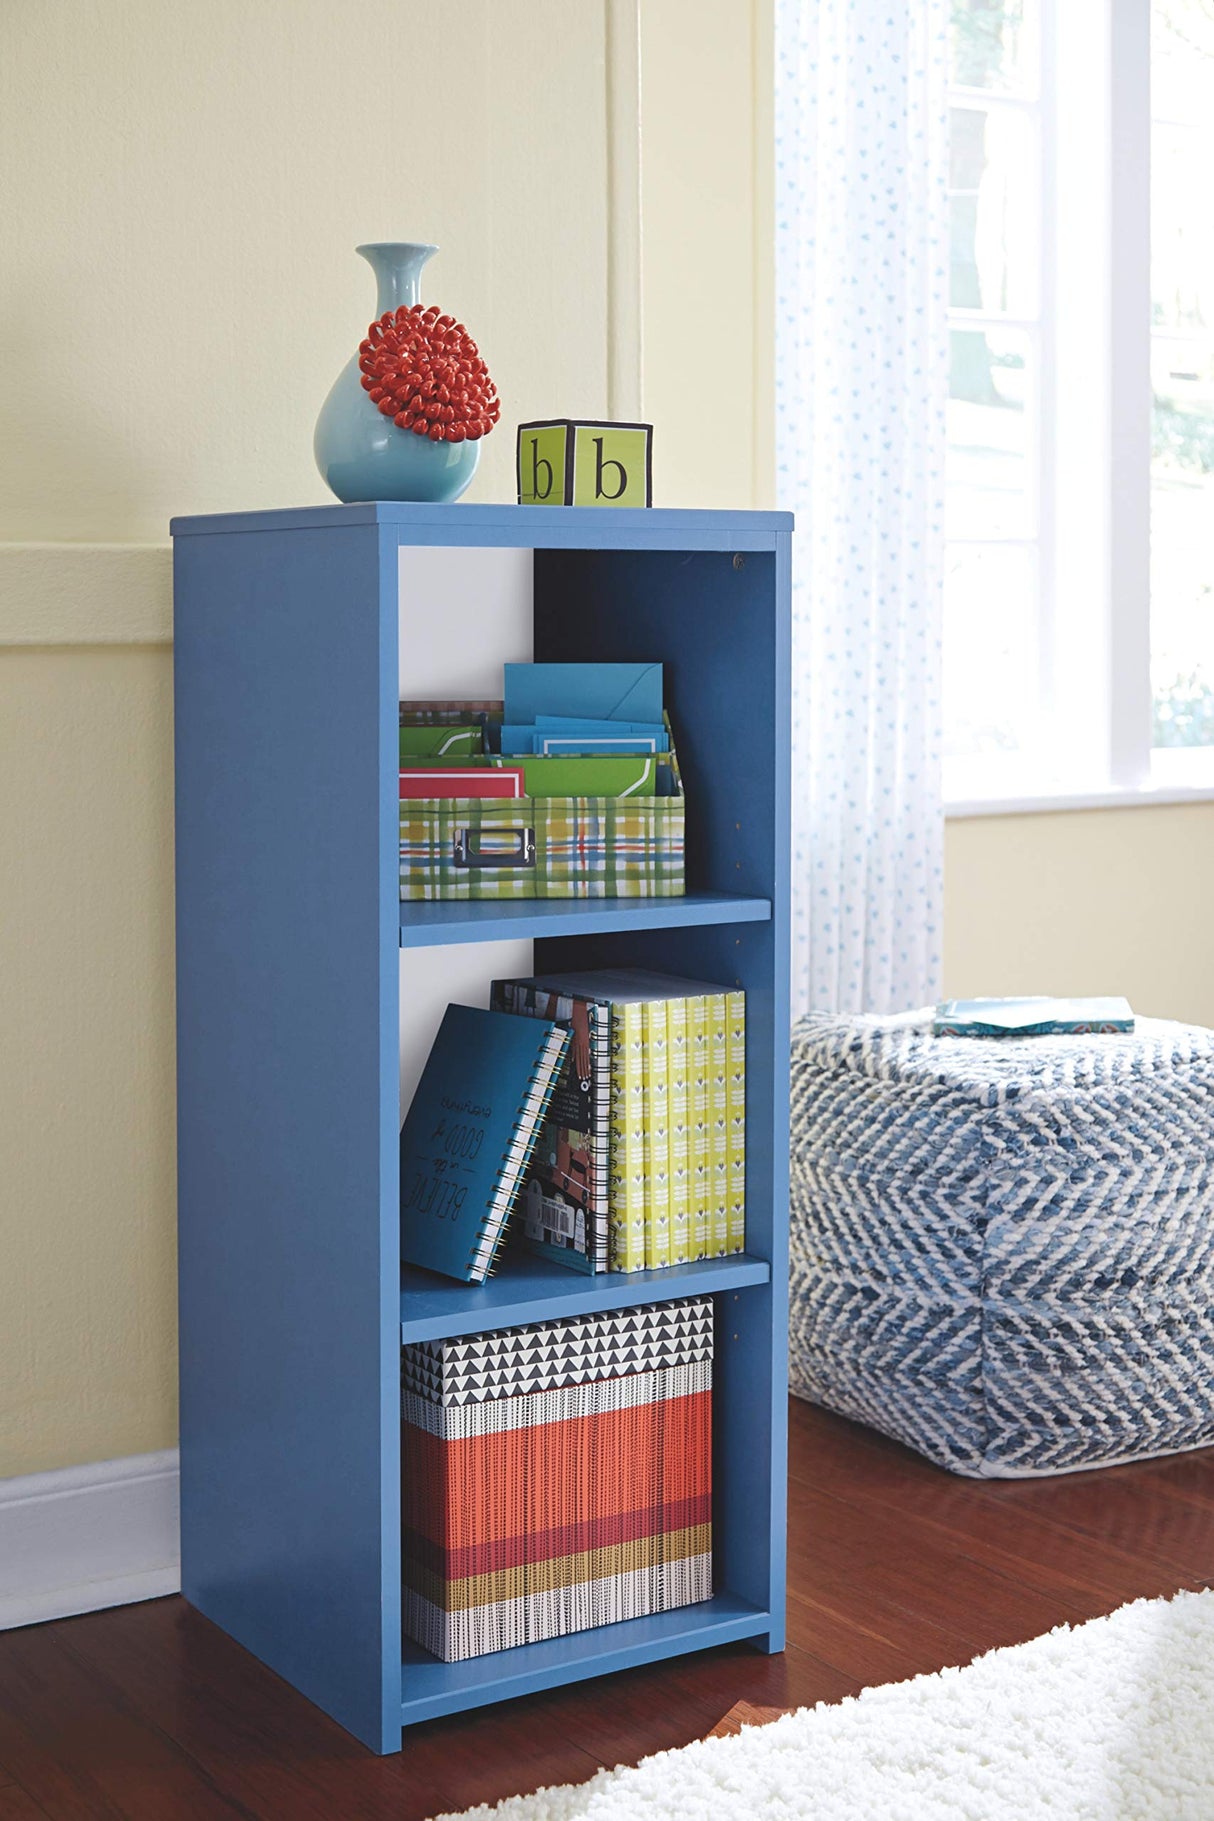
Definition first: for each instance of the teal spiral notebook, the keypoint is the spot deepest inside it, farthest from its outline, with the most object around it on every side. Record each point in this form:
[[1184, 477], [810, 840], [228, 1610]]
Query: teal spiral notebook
[[469, 1135]]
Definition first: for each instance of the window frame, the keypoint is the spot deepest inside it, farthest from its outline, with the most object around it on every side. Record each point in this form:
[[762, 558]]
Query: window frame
[[1095, 664]]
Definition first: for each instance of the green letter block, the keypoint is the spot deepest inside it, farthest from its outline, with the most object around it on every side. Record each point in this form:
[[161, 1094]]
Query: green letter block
[[566, 462]]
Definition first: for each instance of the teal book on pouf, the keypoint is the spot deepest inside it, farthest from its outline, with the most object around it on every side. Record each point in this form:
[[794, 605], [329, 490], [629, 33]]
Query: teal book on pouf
[[1033, 1017]]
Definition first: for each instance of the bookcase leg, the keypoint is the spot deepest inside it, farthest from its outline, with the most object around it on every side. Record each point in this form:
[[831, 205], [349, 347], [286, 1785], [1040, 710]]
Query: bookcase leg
[[769, 1643]]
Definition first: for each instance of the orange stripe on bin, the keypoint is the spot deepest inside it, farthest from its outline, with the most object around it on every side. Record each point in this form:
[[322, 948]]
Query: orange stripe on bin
[[469, 1493]]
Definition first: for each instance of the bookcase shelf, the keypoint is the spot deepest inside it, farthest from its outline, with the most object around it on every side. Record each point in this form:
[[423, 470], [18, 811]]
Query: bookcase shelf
[[296, 997], [432, 1689], [527, 1289], [425, 924]]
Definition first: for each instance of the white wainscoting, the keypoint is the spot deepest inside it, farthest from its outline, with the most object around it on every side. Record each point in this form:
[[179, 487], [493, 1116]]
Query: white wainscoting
[[86, 1537]]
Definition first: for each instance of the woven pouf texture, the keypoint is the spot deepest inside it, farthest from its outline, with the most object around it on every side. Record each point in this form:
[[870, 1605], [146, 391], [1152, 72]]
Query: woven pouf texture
[[1003, 1249]]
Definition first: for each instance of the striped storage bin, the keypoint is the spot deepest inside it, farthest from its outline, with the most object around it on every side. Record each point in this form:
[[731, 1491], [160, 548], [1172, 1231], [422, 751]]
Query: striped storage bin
[[528, 847], [556, 1477]]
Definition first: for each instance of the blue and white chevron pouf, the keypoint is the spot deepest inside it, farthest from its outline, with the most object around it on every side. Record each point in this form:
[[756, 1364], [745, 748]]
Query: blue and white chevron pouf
[[1003, 1249]]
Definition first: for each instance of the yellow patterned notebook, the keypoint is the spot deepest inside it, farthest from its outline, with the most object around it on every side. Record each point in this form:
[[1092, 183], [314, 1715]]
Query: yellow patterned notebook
[[657, 1136], [718, 1125], [701, 1132], [678, 1125], [735, 1012], [628, 1128], [647, 1217]]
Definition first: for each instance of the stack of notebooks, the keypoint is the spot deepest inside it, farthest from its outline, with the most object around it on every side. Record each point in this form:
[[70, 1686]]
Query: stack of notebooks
[[556, 1477], [605, 1111], [567, 730], [642, 1159]]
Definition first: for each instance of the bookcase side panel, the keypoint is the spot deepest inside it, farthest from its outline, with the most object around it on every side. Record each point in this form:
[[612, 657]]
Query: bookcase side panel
[[285, 695]]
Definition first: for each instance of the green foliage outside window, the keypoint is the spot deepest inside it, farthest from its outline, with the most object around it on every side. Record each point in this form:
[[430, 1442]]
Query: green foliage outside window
[[1185, 439], [1184, 713], [982, 30]]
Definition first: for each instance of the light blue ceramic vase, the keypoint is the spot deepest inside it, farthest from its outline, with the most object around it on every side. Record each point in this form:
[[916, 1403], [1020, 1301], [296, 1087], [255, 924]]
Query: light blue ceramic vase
[[361, 454]]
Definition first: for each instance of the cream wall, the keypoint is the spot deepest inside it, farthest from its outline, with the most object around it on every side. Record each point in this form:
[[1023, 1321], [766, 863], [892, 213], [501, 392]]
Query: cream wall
[[181, 188], [1101, 901], [185, 185], [708, 274], [86, 1054]]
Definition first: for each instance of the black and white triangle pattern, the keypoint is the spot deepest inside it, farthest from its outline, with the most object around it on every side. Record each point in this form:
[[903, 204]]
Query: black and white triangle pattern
[[495, 1416], [513, 1362], [1003, 1251]]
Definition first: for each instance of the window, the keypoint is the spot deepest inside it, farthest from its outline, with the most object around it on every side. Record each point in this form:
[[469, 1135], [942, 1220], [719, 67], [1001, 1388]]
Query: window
[[1079, 589]]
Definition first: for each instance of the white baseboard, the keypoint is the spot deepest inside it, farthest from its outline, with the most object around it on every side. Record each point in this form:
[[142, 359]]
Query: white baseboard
[[87, 1537]]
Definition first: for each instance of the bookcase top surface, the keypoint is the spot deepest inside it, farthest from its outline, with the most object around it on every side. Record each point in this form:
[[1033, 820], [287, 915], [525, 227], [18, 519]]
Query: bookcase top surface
[[586, 526]]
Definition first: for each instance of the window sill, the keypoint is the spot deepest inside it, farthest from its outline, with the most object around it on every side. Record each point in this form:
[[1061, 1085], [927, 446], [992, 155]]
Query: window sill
[[1050, 803]]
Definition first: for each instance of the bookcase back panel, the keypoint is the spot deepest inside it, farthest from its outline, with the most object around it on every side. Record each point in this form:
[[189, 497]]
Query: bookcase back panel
[[458, 973], [711, 619], [463, 614]]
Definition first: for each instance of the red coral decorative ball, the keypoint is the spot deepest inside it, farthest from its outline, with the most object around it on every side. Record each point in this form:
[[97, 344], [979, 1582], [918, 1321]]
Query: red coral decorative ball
[[425, 372]]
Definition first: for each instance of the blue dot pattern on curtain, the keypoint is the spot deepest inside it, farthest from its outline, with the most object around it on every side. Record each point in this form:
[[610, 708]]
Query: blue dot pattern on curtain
[[862, 265]]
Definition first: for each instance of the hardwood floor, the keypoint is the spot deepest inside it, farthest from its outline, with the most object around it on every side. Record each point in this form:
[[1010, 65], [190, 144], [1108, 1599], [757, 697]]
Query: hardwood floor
[[149, 1712]]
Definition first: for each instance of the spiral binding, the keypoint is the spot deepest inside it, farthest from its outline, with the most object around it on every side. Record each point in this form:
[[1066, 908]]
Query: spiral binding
[[513, 1163], [601, 1016]]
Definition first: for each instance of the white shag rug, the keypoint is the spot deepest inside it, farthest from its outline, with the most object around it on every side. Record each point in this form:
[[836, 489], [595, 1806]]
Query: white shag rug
[[1109, 1721]]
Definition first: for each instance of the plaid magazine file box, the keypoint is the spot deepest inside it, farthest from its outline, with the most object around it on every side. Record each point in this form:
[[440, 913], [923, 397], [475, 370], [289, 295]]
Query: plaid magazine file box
[[530, 847], [556, 1477]]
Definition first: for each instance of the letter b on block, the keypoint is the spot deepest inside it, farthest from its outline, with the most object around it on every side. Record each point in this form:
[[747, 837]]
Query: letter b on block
[[611, 464], [543, 462]]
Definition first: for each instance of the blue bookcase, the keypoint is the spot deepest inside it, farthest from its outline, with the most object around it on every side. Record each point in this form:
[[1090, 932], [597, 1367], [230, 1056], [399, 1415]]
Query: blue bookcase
[[293, 1302]]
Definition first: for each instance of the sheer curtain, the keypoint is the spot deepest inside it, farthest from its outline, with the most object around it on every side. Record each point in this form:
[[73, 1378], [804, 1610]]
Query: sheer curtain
[[861, 353]]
